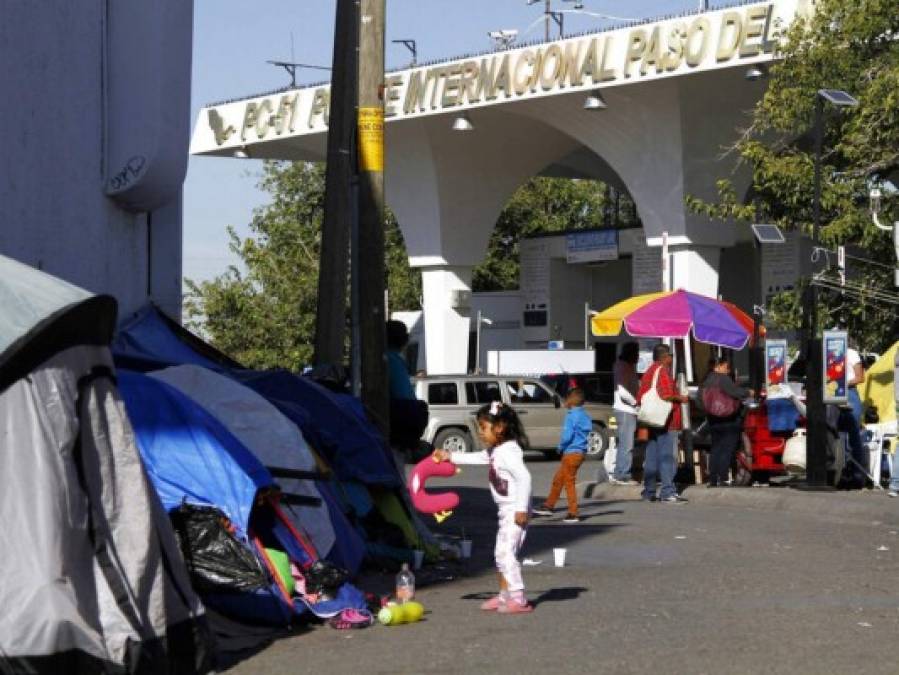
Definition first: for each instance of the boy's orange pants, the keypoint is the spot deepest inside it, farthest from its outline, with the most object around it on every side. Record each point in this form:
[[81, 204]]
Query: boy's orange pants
[[566, 477]]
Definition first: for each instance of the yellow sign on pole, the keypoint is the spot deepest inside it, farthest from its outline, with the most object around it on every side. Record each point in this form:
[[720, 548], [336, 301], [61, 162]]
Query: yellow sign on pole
[[371, 139]]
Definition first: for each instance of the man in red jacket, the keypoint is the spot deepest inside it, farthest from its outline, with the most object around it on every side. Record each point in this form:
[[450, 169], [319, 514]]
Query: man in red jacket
[[660, 463]]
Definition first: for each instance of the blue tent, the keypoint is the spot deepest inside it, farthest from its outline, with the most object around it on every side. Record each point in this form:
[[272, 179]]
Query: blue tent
[[352, 447], [149, 340], [190, 457], [333, 424]]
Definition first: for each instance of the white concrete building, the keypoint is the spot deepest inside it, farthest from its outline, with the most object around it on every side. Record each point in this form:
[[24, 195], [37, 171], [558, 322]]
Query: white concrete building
[[674, 93], [97, 122]]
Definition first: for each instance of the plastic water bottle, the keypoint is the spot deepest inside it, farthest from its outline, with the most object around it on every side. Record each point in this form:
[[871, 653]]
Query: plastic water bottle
[[405, 584]]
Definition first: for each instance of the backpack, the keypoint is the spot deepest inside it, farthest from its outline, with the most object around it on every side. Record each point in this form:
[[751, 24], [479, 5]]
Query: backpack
[[717, 403]]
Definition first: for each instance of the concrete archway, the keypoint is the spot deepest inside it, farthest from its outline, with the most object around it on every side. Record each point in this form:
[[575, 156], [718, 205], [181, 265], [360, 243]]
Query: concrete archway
[[676, 95]]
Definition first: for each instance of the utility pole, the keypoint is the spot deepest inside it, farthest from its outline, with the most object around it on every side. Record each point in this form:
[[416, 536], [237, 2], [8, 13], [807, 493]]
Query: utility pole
[[330, 319], [816, 436], [548, 12], [370, 273]]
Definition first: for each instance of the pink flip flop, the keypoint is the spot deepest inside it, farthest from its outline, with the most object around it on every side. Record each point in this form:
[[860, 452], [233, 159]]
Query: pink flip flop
[[351, 618], [493, 604], [515, 607]]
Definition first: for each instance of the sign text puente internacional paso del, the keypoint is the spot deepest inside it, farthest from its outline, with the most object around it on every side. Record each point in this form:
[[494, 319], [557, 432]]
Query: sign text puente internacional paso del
[[675, 94], [638, 53]]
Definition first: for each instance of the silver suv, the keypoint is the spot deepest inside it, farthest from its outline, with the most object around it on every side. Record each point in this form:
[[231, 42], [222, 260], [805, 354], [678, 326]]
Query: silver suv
[[454, 400]]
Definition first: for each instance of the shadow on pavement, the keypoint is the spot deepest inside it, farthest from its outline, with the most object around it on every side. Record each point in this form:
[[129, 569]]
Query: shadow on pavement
[[559, 594], [476, 519], [552, 595]]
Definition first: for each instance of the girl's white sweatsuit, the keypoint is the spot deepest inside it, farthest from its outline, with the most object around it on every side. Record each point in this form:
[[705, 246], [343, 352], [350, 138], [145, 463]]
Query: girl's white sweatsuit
[[510, 485]]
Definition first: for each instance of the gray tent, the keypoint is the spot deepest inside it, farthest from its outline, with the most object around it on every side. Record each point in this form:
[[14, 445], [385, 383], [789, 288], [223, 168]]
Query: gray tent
[[91, 580]]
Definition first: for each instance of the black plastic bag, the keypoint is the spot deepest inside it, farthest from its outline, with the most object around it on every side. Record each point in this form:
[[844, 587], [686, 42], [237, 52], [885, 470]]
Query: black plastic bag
[[325, 578], [216, 560]]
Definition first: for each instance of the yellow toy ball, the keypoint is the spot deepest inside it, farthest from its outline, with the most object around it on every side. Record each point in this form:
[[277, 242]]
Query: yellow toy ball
[[408, 612], [413, 611]]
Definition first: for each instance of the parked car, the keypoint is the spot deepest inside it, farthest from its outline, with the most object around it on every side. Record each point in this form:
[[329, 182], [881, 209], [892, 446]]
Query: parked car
[[454, 400], [598, 387]]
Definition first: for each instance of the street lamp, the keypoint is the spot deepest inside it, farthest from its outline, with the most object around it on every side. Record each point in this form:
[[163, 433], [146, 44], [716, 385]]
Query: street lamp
[[762, 233], [558, 17], [411, 46], [292, 68], [477, 340], [894, 228], [816, 450]]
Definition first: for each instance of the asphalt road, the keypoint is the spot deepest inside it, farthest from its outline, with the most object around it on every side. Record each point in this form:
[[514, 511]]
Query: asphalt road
[[752, 580]]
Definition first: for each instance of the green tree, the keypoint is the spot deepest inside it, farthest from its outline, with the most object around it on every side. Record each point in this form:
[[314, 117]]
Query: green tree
[[541, 205], [264, 316], [851, 46]]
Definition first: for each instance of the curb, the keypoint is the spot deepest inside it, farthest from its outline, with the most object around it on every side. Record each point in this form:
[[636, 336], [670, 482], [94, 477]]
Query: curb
[[870, 506]]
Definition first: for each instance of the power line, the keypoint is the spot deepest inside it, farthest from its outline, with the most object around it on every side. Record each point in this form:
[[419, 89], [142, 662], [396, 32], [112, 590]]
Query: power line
[[817, 250]]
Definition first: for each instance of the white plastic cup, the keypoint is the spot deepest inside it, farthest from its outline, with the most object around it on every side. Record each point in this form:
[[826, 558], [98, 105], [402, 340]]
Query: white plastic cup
[[559, 556], [466, 548], [419, 558]]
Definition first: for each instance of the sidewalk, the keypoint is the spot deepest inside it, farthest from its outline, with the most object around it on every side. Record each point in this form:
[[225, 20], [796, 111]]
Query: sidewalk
[[853, 506]]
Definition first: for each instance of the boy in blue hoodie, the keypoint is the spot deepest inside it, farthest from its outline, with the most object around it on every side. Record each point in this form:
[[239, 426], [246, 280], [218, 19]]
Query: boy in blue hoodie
[[572, 446]]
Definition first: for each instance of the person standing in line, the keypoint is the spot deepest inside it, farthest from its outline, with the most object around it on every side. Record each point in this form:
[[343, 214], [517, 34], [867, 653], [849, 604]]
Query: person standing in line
[[627, 384], [660, 464], [502, 433], [850, 421], [721, 398], [572, 446]]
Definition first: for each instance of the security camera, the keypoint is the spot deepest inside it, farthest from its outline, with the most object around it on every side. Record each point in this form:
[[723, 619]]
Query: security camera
[[503, 35]]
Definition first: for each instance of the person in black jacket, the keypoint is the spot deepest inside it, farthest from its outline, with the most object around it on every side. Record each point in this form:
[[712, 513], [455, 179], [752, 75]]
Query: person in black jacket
[[721, 398]]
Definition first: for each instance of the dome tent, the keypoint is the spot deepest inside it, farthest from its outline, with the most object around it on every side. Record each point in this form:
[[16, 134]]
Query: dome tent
[[96, 582]]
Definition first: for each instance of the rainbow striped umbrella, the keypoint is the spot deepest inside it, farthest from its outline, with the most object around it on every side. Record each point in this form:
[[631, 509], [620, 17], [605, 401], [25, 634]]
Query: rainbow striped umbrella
[[674, 314]]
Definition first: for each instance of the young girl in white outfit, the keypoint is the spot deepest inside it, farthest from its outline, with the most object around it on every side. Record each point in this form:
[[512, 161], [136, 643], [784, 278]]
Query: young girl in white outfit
[[510, 484]]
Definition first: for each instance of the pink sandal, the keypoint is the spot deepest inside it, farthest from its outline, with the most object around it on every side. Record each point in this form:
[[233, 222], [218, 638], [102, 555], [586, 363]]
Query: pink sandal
[[515, 607], [351, 618], [493, 604]]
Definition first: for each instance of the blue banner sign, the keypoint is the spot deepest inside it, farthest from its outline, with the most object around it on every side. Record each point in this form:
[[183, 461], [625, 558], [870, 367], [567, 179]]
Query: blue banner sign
[[591, 246]]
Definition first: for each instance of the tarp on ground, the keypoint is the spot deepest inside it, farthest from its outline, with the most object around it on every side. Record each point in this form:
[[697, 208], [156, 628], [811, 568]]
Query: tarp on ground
[[879, 388], [353, 448], [267, 433], [91, 580]]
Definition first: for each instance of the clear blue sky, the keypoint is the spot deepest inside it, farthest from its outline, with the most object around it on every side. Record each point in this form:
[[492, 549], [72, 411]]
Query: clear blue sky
[[233, 40]]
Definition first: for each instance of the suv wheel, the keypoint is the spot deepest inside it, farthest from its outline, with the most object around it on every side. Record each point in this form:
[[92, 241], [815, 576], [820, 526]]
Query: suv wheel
[[454, 440], [597, 443]]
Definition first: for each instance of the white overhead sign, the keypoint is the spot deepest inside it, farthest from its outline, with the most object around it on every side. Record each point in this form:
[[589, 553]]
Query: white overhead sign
[[676, 46]]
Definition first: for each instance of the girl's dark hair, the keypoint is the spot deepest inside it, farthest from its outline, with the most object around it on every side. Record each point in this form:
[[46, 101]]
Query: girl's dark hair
[[498, 412]]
